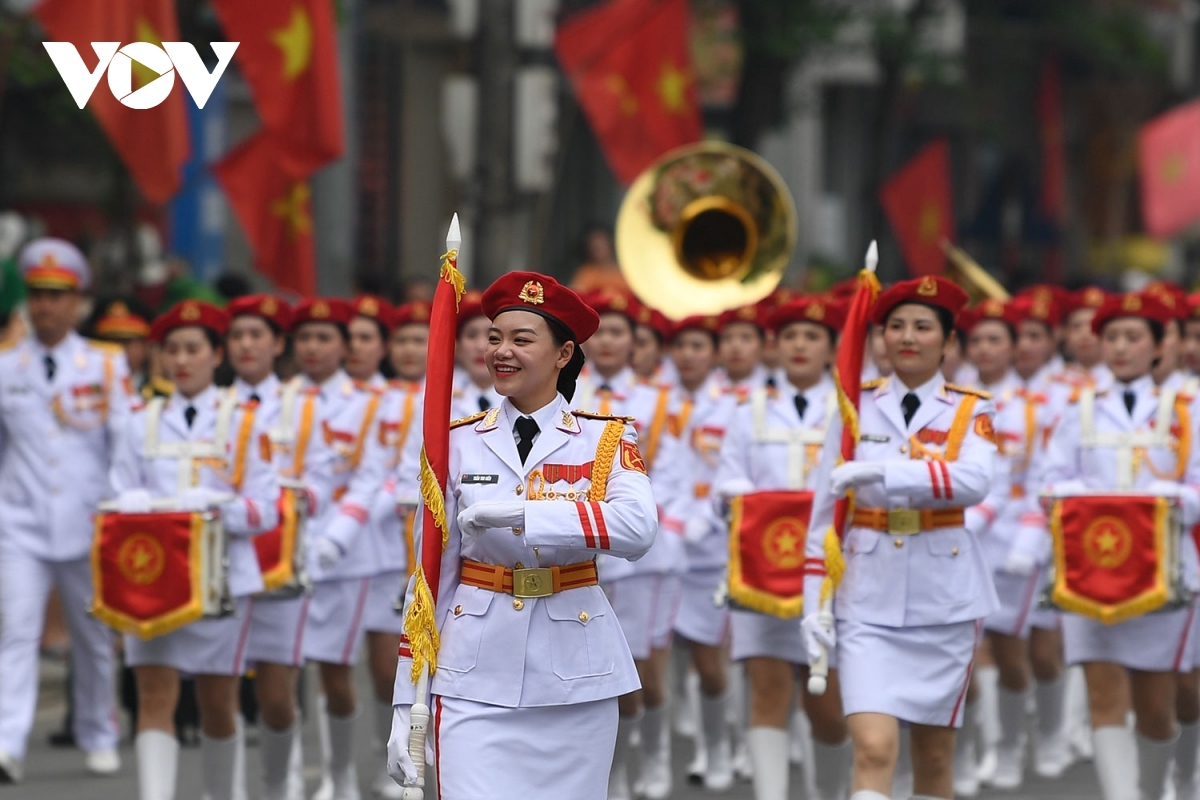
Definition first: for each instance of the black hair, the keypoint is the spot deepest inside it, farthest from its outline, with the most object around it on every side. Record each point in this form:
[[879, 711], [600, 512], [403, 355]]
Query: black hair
[[965, 336], [215, 340], [630, 320], [712, 335], [1158, 331], [832, 331], [568, 376], [944, 317]]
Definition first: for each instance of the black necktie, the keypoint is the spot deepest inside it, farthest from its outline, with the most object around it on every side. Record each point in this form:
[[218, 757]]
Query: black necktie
[[1130, 399], [189, 415], [527, 428], [605, 388], [801, 405], [254, 398], [484, 405], [910, 403], [50, 367]]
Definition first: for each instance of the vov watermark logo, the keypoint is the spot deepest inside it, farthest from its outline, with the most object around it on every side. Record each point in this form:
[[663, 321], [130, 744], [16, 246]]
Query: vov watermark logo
[[156, 67]]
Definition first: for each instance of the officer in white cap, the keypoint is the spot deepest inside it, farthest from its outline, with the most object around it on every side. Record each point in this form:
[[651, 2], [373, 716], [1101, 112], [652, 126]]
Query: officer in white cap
[[62, 397]]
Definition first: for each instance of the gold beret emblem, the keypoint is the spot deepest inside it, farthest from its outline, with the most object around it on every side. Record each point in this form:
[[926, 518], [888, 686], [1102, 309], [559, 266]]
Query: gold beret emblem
[[368, 307], [320, 310], [815, 312], [1131, 303], [268, 306], [190, 312], [928, 287], [532, 293]]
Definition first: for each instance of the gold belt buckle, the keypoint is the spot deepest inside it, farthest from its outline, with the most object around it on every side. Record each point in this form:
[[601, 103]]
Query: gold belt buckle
[[904, 521], [533, 582]]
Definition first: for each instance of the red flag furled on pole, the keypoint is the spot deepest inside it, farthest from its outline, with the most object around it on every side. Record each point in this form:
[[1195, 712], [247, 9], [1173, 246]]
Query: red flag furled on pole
[[152, 142], [630, 66], [1169, 169], [275, 211], [1054, 158], [288, 54], [919, 206]]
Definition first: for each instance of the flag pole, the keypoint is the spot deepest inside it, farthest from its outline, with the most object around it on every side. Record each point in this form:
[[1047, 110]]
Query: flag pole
[[420, 623], [868, 288]]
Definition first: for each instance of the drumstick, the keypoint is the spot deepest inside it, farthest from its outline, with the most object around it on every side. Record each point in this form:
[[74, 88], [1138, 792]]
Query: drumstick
[[818, 673], [417, 728]]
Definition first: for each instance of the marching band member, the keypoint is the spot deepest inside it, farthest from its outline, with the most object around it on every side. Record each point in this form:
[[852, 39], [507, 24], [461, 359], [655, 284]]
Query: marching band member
[[1080, 341], [1131, 663], [767, 448], [1191, 337], [63, 403], [916, 587], [650, 360], [340, 551], [524, 696], [117, 322], [154, 461], [741, 339], [473, 386], [408, 347], [1042, 304]]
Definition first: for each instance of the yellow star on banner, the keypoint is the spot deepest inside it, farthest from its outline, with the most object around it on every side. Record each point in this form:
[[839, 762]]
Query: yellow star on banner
[[929, 224], [295, 43], [143, 31], [293, 209], [672, 87], [1107, 542], [1173, 168], [617, 85]]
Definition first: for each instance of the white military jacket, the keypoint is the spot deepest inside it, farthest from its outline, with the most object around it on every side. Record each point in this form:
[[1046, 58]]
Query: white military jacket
[[564, 648], [56, 442], [935, 577], [399, 424], [166, 457]]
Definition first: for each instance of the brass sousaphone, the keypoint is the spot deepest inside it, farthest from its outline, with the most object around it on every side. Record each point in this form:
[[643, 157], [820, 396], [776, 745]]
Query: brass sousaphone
[[707, 227]]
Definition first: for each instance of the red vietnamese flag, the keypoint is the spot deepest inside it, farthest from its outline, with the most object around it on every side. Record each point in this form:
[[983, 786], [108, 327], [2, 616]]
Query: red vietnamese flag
[[153, 143], [629, 63], [1169, 167], [275, 211], [288, 54], [1054, 160], [917, 200]]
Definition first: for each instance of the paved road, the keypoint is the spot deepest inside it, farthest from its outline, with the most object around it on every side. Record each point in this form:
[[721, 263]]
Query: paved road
[[54, 774]]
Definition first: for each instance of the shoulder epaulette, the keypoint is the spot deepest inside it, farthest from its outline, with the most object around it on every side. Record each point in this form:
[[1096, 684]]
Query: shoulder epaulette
[[363, 386], [980, 393], [112, 348], [874, 384], [458, 423], [9, 345], [594, 415]]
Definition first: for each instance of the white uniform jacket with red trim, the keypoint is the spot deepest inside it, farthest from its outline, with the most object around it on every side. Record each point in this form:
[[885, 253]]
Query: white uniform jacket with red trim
[[935, 577], [555, 650]]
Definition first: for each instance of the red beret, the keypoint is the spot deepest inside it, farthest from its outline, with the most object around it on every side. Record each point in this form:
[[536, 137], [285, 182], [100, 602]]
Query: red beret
[[118, 322], [989, 309], [190, 314], [542, 295], [1133, 304], [269, 307], [752, 315], [809, 309], [373, 308], [653, 319], [1172, 296], [613, 302], [414, 313], [333, 310], [1194, 306], [1042, 303], [1088, 297], [932, 290], [470, 307], [699, 322], [843, 290]]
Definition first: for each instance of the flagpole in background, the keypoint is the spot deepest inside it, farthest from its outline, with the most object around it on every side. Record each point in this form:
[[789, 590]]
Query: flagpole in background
[[847, 378], [420, 621]]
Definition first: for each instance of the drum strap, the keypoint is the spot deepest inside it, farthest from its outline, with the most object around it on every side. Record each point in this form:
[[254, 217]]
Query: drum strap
[[798, 440], [1125, 443], [654, 436], [194, 452], [364, 431], [284, 432]]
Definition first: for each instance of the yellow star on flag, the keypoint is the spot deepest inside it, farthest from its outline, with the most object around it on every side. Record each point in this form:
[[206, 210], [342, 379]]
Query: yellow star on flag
[[929, 224], [141, 558], [293, 209], [1107, 542], [295, 43], [144, 32], [1173, 168], [672, 87]]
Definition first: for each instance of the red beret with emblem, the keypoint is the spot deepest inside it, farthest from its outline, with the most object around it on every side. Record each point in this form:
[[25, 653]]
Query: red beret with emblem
[[817, 310], [267, 306], [1172, 296], [190, 314], [373, 308], [542, 295], [653, 319], [333, 310], [1089, 297], [613, 302], [414, 313], [1041, 303], [988, 309], [751, 315], [709, 324], [931, 290], [1134, 304]]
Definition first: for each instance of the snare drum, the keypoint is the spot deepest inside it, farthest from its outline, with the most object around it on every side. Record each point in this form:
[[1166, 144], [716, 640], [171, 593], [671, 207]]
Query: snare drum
[[281, 552], [1117, 556], [154, 573]]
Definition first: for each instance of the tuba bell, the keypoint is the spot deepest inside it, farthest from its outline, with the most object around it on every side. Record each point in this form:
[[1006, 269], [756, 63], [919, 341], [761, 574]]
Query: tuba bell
[[968, 274], [706, 228]]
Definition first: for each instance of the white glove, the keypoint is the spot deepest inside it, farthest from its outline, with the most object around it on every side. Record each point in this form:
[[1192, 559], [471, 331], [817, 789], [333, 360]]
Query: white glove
[[695, 529], [328, 553], [133, 501], [1165, 489], [855, 473], [1020, 564], [399, 763], [473, 521], [976, 521], [1066, 488], [197, 499], [733, 488], [818, 639]]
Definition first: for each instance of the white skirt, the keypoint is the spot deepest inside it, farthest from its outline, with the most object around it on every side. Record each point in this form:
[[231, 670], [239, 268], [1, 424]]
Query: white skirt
[[1019, 597], [763, 636], [334, 626], [700, 620], [380, 614], [642, 604], [277, 631], [918, 675], [1159, 642], [486, 752], [210, 646]]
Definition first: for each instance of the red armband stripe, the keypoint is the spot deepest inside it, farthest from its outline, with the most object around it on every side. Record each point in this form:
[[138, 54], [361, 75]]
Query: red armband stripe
[[253, 520], [933, 481], [589, 538], [601, 527], [946, 480]]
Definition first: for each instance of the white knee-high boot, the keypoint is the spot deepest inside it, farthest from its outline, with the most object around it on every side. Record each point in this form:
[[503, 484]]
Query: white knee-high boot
[[655, 780], [834, 763], [1187, 754], [276, 748], [157, 765], [219, 757], [768, 753], [1115, 748], [341, 757], [618, 776], [966, 777], [718, 772], [1052, 755], [987, 679], [1010, 752], [1154, 759]]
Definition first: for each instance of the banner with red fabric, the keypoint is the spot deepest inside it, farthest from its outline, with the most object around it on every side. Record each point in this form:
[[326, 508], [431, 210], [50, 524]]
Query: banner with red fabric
[[767, 532], [1169, 170], [276, 549], [147, 571], [919, 205], [1111, 555]]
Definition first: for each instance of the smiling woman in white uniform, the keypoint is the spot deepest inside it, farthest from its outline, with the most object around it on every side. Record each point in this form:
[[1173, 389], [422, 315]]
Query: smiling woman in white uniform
[[145, 469], [910, 606], [532, 659]]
